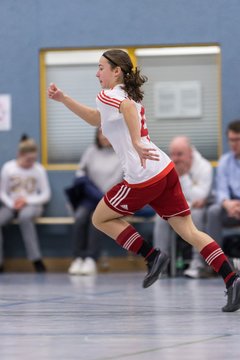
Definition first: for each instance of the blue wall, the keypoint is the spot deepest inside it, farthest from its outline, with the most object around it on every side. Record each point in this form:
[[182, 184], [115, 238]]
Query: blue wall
[[27, 26]]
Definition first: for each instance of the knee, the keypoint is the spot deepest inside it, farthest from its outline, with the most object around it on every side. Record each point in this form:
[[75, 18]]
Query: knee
[[82, 217], [96, 220], [25, 218]]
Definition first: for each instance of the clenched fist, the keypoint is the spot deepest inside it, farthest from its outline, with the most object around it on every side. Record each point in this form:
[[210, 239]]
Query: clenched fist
[[55, 93]]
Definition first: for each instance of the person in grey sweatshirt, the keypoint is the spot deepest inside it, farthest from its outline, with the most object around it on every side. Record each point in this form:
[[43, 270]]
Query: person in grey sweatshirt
[[101, 165], [196, 176], [24, 190]]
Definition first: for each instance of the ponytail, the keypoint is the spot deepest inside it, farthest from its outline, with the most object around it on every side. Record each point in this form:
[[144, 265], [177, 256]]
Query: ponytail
[[132, 84], [132, 79]]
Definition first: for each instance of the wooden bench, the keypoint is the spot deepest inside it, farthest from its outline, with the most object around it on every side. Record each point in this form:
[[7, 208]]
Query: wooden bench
[[51, 220], [68, 220]]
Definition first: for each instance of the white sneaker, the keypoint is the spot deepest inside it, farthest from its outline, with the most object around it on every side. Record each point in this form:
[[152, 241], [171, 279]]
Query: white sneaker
[[76, 267], [236, 263], [194, 269], [192, 273], [89, 267]]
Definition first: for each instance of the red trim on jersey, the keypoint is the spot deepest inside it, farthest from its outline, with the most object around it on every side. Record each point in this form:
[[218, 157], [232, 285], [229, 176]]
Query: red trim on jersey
[[110, 98], [154, 179], [144, 129], [108, 102]]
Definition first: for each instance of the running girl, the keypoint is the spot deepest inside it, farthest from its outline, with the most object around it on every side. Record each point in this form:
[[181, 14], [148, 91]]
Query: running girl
[[149, 174]]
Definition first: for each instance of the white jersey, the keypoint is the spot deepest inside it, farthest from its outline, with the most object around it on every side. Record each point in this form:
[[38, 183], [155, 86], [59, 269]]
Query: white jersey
[[116, 131], [32, 184]]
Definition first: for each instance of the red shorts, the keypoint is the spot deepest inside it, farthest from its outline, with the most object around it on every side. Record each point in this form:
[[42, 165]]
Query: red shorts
[[164, 196]]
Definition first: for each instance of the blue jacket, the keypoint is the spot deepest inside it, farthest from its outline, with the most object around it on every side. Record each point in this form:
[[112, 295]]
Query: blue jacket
[[83, 192]]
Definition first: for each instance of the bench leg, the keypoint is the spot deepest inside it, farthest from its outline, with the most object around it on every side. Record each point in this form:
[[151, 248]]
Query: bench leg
[[173, 254]]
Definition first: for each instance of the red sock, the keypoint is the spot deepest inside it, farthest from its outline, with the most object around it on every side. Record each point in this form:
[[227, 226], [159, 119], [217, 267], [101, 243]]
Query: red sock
[[216, 258], [131, 240]]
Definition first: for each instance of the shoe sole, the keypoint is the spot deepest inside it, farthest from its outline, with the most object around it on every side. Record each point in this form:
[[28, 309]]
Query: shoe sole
[[158, 274], [89, 273], [234, 307], [74, 273], [188, 276]]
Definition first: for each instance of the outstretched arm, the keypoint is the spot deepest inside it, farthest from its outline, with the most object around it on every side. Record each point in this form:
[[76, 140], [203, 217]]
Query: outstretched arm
[[129, 111], [90, 115]]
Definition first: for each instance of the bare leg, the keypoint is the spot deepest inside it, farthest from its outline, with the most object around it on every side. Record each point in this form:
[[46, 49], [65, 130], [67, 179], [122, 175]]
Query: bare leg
[[113, 224], [185, 227], [108, 221], [209, 249]]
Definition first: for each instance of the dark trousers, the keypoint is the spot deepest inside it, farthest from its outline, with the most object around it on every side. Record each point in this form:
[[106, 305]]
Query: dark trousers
[[217, 218], [86, 237]]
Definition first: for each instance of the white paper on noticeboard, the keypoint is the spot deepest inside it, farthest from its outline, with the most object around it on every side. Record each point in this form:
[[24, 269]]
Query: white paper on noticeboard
[[5, 112], [178, 100]]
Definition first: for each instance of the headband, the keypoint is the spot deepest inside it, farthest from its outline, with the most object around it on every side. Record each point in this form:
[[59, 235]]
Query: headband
[[114, 63], [109, 59]]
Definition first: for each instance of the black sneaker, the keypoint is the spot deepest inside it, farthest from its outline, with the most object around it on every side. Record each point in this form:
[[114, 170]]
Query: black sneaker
[[155, 268], [233, 294], [39, 266]]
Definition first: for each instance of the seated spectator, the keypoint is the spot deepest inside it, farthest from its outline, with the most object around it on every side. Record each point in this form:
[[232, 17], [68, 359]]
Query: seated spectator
[[99, 170], [226, 211], [24, 190], [195, 174]]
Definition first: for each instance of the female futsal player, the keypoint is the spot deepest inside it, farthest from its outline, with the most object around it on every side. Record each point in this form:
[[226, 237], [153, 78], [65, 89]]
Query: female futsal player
[[150, 177]]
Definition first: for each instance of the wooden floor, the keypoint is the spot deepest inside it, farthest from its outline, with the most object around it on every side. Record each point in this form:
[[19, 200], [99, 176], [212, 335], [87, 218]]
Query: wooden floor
[[55, 316]]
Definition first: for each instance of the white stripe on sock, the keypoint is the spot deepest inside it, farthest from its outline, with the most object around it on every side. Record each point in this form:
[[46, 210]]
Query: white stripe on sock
[[217, 255], [130, 241], [213, 256]]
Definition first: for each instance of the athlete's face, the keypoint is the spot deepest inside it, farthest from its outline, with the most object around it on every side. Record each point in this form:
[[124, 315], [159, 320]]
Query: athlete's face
[[107, 76]]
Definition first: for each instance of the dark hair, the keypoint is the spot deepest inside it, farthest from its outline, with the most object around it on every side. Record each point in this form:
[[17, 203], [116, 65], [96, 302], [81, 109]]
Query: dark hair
[[234, 126], [27, 145], [132, 79], [24, 137]]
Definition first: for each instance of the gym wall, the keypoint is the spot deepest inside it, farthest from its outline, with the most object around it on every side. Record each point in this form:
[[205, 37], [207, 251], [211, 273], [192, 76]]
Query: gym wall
[[28, 26]]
